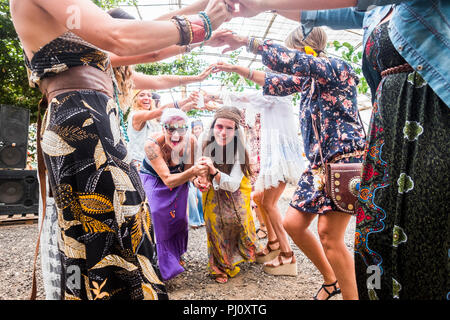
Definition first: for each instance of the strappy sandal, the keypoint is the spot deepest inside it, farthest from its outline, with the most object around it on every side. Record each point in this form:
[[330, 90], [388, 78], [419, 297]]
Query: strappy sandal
[[220, 278], [263, 231], [330, 294], [282, 269], [262, 257]]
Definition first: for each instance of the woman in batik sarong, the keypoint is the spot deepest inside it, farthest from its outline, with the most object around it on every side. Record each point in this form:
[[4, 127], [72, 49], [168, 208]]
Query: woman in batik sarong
[[229, 222], [106, 240], [165, 173]]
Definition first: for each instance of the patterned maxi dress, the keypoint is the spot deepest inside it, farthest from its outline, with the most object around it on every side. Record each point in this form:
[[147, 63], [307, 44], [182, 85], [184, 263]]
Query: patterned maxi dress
[[230, 229], [106, 243], [401, 240]]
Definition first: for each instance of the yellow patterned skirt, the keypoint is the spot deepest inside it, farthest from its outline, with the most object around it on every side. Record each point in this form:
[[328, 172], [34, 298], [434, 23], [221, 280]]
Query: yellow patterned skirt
[[230, 229]]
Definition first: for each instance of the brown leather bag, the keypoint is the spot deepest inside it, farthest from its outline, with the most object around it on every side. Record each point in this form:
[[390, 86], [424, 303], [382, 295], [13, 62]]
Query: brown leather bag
[[342, 179], [342, 183]]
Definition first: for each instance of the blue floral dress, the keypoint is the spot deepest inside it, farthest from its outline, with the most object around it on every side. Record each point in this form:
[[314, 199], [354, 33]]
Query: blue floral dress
[[328, 95]]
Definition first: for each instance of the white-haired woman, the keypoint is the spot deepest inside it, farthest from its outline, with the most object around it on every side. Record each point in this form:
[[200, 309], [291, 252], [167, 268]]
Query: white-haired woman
[[165, 173]]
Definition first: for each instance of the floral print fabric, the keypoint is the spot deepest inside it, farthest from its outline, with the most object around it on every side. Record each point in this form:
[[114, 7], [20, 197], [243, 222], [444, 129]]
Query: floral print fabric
[[328, 95]]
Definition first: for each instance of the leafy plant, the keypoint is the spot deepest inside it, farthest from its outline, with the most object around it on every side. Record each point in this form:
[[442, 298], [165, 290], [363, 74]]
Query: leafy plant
[[350, 54]]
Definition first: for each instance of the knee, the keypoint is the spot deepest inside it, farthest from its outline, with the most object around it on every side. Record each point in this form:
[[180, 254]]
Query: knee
[[257, 198], [288, 225], [293, 224], [268, 204], [325, 238]]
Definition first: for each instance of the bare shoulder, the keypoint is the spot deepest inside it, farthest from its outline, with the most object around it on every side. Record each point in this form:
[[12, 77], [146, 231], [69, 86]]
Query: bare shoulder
[[34, 25], [152, 148]]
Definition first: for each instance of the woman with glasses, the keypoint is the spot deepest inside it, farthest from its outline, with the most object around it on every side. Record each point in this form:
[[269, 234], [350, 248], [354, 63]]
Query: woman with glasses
[[165, 173]]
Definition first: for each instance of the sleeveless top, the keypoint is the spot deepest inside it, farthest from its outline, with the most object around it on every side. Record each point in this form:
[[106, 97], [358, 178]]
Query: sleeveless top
[[138, 138], [63, 53], [147, 168]]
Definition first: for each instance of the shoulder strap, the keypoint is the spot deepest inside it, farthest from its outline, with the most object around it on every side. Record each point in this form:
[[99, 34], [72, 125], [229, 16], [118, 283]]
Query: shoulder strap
[[43, 186], [316, 133]]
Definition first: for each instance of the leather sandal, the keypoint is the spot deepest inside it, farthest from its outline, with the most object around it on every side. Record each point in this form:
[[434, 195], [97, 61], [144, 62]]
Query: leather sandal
[[220, 278], [258, 233], [330, 294], [282, 269], [268, 253]]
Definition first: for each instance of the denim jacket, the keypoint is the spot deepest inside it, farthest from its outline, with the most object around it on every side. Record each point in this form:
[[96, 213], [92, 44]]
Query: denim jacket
[[419, 29]]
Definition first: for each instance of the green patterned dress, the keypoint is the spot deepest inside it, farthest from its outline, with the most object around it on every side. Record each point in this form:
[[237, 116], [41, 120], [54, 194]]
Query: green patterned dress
[[401, 243]]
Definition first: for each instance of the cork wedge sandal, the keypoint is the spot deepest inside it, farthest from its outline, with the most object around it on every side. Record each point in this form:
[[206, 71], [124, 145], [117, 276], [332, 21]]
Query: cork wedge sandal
[[268, 253], [282, 269]]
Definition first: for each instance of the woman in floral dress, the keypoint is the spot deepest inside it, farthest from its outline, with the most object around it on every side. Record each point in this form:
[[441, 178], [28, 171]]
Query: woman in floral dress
[[328, 101]]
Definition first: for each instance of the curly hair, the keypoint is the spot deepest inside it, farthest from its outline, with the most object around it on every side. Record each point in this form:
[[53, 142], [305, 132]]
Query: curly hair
[[125, 85]]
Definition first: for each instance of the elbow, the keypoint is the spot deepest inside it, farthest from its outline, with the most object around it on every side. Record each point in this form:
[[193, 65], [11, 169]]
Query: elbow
[[169, 183], [116, 43]]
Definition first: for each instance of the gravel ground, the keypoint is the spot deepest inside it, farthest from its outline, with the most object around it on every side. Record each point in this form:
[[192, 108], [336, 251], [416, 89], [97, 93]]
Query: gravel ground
[[17, 244]]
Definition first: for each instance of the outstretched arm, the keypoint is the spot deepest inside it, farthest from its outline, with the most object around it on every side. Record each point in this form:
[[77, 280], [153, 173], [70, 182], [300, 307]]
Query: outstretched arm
[[160, 82], [158, 55], [120, 36]]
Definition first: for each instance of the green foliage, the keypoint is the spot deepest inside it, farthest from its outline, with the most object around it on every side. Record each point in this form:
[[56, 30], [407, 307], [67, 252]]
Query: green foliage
[[184, 65], [14, 87], [350, 54], [109, 4]]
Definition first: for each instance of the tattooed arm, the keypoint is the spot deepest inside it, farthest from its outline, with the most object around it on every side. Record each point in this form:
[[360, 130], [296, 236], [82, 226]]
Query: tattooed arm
[[156, 159]]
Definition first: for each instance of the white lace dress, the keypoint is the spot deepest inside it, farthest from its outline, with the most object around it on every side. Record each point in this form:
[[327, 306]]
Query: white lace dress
[[281, 146]]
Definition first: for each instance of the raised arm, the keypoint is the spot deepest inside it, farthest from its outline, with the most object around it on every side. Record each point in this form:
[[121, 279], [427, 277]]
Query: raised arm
[[84, 18]]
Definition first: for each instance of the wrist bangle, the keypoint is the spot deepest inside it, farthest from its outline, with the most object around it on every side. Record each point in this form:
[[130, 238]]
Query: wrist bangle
[[215, 174], [184, 28], [250, 74], [175, 103]]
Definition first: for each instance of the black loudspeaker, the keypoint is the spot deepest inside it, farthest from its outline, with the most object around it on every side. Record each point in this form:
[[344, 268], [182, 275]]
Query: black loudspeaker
[[14, 122], [19, 192]]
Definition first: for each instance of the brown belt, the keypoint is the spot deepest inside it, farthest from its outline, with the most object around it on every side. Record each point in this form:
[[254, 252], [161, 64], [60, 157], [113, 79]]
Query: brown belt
[[398, 69], [73, 79], [77, 78]]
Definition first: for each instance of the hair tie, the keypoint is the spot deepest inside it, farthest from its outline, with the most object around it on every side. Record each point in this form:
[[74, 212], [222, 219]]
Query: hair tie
[[309, 50]]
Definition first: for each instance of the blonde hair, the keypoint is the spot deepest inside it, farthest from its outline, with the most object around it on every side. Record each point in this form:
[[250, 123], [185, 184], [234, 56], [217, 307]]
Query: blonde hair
[[316, 39], [125, 85], [135, 106]]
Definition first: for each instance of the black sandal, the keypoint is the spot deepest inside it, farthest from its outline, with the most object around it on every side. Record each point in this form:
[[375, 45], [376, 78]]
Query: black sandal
[[330, 294]]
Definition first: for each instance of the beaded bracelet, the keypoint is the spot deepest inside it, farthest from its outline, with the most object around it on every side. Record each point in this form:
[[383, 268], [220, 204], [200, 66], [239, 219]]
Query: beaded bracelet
[[189, 24], [198, 28], [209, 25]]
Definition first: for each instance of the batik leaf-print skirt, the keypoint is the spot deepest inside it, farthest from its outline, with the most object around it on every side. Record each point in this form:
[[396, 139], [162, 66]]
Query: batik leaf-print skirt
[[401, 238], [106, 240]]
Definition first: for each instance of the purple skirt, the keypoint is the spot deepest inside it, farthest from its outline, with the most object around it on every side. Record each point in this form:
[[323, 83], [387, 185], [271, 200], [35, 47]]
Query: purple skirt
[[168, 209]]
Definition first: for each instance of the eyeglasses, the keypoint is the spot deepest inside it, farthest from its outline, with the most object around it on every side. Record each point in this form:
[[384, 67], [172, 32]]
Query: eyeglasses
[[180, 129]]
